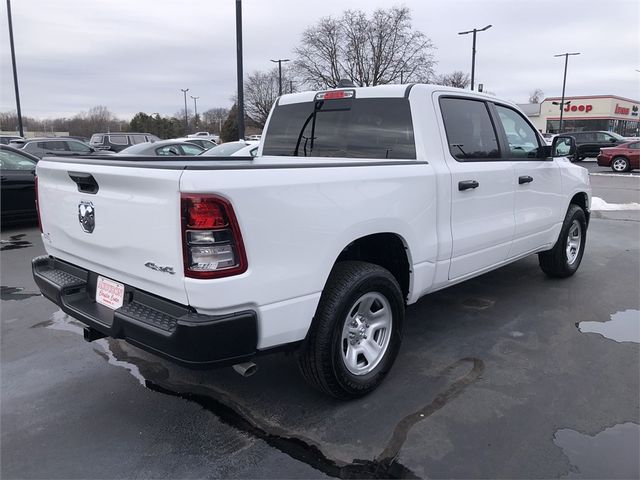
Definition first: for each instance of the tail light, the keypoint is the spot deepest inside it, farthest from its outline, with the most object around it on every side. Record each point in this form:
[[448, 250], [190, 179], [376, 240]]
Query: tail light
[[211, 239], [38, 204]]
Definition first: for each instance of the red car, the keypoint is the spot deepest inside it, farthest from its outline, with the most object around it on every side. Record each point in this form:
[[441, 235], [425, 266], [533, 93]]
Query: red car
[[621, 158]]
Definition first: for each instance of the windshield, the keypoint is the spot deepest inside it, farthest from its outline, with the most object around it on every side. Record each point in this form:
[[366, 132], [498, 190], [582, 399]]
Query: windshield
[[376, 128], [616, 135], [224, 150]]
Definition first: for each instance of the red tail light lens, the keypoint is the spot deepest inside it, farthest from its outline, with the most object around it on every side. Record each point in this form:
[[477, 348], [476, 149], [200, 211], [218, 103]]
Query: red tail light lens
[[38, 204], [211, 239]]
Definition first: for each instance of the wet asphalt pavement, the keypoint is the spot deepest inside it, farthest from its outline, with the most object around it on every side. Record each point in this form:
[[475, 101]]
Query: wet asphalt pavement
[[509, 375]]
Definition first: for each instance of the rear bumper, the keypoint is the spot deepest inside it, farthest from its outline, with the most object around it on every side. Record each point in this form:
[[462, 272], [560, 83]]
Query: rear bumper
[[603, 161], [152, 323]]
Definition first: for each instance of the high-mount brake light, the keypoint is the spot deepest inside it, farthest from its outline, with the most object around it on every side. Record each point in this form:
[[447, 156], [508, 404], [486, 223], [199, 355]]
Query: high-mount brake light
[[211, 239], [335, 94]]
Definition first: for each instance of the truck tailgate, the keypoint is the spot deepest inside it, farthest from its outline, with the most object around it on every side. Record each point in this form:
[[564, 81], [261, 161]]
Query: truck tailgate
[[136, 235]]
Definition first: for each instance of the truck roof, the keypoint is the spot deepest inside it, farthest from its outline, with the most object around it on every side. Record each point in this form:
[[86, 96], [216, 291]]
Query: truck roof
[[381, 91]]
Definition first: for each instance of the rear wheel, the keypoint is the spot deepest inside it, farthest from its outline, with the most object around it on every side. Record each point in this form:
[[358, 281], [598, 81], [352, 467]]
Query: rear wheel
[[620, 164], [564, 258], [356, 332]]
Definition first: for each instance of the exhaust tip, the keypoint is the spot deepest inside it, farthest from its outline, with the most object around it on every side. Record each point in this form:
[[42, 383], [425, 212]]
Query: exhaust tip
[[246, 369]]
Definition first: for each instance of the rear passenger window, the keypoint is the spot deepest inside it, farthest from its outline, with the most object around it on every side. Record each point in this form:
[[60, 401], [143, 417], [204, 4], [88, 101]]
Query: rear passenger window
[[522, 138], [55, 146], [118, 139], [470, 132]]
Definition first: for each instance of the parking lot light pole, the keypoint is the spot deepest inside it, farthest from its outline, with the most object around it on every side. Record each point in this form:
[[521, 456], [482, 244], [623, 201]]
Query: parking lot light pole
[[279, 62], [473, 51], [15, 70], [195, 110], [564, 84], [186, 118], [240, 105]]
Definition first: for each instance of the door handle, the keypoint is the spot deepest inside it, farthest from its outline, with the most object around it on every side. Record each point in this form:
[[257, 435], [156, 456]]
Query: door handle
[[467, 184], [525, 179]]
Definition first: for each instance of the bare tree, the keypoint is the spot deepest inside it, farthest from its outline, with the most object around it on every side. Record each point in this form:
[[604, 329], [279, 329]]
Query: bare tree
[[369, 50], [261, 90], [456, 79], [213, 119], [536, 96]]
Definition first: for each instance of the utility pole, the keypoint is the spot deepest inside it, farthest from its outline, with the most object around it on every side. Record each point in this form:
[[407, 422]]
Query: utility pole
[[15, 70], [564, 84], [279, 62], [473, 51], [186, 117], [195, 110], [240, 104]]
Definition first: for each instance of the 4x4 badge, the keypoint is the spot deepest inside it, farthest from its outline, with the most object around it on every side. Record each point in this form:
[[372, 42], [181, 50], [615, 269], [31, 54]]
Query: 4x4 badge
[[87, 216]]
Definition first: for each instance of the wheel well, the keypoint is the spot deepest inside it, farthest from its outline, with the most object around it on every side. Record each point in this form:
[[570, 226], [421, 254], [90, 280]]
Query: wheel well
[[581, 200], [384, 249]]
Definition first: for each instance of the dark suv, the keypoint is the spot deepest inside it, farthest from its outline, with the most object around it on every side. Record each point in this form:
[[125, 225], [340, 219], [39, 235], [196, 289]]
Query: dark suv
[[119, 141], [47, 147], [590, 143]]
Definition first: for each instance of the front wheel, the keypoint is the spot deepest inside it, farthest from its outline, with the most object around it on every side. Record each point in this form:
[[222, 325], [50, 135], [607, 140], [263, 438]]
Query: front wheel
[[620, 164], [564, 258], [356, 332]]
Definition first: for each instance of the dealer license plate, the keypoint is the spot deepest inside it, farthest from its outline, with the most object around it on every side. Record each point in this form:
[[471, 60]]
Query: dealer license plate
[[109, 293]]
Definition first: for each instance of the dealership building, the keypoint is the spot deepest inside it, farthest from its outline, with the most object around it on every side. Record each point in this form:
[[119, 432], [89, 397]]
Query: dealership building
[[595, 112]]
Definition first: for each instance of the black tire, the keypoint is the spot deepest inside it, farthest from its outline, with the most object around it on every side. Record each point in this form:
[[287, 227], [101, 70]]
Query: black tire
[[556, 262], [620, 164], [321, 357]]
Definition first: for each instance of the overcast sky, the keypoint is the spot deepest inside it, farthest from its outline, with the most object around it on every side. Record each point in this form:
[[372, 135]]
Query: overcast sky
[[135, 55]]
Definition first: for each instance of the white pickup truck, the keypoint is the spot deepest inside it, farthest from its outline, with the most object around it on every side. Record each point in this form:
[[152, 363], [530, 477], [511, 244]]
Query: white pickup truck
[[360, 201]]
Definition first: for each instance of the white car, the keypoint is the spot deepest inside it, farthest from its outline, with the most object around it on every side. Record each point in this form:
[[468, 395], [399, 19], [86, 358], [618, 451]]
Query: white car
[[359, 202], [201, 142], [232, 148], [206, 136]]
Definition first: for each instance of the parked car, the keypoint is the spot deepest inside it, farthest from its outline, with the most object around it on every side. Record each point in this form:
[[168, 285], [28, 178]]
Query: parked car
[[163, 148], [248, 151], [590, 143], [18, 198], [228, 149], [43, 147], [548, 137], [255, 138], [205, 135], [116, 142], [362, 201], [201, 142], [6, 139], [622, 158]]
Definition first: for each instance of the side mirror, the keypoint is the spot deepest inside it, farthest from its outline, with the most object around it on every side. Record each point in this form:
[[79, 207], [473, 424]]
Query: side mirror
[[612, 140], [564, 146]]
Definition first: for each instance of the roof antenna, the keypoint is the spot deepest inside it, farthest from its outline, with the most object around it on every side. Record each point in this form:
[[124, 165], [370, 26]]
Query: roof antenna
[[344, 83]]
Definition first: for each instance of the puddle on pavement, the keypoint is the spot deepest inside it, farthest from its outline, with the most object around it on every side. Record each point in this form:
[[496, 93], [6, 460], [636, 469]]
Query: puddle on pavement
[[154, 376], [624, 326], [15, 293], [477, 303], [612, 453], [61, 321], [14, 242]]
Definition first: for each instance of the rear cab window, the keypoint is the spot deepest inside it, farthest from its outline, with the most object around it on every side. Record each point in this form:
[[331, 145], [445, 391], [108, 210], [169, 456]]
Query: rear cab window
[[375, 128]]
